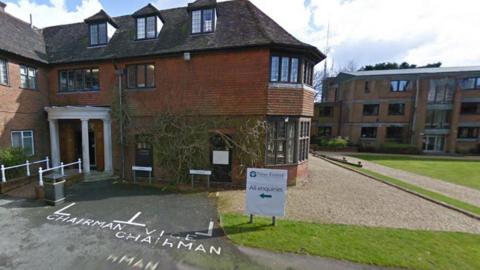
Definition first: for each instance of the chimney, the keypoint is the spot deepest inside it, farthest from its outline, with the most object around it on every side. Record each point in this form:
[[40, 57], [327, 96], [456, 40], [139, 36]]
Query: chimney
[[2, 6]]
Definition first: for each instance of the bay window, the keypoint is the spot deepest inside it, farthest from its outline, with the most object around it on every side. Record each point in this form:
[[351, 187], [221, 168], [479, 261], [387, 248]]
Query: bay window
[[285, 69], [287, 141]]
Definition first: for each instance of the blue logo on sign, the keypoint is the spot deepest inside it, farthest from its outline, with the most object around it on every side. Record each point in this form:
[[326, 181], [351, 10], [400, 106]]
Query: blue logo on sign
[[253, 174]]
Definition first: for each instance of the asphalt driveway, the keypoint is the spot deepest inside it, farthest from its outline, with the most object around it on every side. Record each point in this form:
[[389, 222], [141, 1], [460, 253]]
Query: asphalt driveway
[[115, 226]]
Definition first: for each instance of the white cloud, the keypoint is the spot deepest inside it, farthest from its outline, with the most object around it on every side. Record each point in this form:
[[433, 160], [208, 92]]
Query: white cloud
[[53, 13], [366, 31]]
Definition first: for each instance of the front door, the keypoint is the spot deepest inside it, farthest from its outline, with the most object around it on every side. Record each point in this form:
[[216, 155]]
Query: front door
[[91, 147], [434, 143]]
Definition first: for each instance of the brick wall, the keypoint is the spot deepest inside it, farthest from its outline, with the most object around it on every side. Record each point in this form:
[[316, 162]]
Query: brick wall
[[22, 109]]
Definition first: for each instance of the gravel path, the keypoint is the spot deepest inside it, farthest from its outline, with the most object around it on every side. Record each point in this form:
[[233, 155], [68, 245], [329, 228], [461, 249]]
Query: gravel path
[[458, 192], [335, 195]]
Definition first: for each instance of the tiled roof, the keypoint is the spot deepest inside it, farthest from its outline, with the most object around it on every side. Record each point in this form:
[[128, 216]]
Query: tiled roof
[[17, 37], [239, 24]]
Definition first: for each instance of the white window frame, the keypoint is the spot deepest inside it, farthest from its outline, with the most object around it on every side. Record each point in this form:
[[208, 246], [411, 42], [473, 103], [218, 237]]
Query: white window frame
[[4, 62], [22, 136]]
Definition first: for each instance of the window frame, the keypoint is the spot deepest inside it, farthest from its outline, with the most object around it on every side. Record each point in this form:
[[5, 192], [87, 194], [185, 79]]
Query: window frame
[[96, 24], [202, 21], [73, 88], [145, 27], [136, 76], [28, 67], [22, 136], [393, 104], [368, 138], [443, 124], [477, 105], [303, 139], [320, 111], [398, 138], [5, 62], [475, 130], [476, 83], [397, 82], [300, 62], [375, 114]]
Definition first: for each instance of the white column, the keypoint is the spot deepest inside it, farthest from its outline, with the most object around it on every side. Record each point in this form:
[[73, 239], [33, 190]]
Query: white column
[[54, 142], [85, 146], [107, 145]]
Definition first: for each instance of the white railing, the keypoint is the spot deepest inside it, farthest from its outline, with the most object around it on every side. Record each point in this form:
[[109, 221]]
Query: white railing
[[62, 170], [27, 164]]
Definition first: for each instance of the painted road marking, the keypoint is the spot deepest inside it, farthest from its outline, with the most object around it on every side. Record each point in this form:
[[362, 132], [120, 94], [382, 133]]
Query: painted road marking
[[210, 230], [60, 212], [130, 222]]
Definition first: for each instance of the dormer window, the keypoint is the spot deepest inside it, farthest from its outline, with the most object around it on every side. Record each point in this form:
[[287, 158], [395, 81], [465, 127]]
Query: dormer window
[[148, 22], [203, 21], [146, 27], [101, 28], [98, 34]]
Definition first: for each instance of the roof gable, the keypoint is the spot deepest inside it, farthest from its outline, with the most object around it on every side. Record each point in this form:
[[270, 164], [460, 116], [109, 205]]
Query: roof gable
[[101, 16], [146, 11]]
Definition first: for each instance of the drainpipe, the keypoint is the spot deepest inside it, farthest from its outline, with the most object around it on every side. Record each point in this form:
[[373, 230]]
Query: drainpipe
[[119, 74], [414, 121]]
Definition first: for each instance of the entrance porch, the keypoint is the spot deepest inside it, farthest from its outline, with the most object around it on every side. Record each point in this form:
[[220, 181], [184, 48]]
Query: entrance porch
[[81, 132]]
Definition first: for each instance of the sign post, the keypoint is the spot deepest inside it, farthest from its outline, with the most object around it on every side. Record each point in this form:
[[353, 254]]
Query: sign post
[[265, 192]]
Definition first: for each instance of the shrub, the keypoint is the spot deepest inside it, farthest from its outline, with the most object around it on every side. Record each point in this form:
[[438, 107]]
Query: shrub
[[10, 157], [398, 148], [337, 142]]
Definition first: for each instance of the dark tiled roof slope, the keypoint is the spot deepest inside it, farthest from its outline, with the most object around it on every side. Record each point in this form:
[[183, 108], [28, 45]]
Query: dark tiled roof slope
[[239, 24], [17, 37]]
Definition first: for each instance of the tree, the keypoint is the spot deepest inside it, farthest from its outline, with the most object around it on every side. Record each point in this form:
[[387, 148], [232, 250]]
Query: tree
[[393, 65]]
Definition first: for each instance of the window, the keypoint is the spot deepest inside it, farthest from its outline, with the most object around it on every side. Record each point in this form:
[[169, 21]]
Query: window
[[440, 92], [396, 109], [325, 131], [304, 140], [98, 34], [141, 76], [395, 133], [274, 68], [470, 83], [370, 109], [468, 132], [368, 133], [284, 69], [308, 73], [325, 111], [3, 72], [399, 85], [281, 141], [77, 80], [437, 119], [146, 27], [203, 21], [367, 88], [23, 140], [470, 108], [28, 77]]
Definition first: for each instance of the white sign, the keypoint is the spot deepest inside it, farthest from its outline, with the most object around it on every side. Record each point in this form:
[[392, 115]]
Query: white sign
[[220, 157], [200, 172], [266, 190]]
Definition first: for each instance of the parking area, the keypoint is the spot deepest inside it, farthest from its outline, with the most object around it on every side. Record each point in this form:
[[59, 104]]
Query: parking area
[[104, 225]]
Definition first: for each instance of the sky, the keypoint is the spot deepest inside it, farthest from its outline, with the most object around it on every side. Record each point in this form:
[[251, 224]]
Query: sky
[[360, 32]]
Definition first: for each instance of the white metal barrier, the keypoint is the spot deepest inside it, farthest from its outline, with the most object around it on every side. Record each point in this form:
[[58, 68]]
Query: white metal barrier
[[62, 170], [27, 164]]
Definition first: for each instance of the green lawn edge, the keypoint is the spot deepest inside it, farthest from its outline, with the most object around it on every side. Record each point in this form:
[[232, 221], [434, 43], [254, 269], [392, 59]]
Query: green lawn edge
[[456, 171], [428, 193], [387, 247]]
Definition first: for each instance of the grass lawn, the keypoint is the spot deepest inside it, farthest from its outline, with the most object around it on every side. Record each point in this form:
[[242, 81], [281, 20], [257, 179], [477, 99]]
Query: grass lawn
[[461, 172], [378, 246]]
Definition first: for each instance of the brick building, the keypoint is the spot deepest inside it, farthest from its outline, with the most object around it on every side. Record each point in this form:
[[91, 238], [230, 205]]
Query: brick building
[[435, 109], [228, 59]]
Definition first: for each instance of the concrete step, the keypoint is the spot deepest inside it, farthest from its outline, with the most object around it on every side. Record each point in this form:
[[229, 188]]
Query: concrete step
[[95, 176]]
